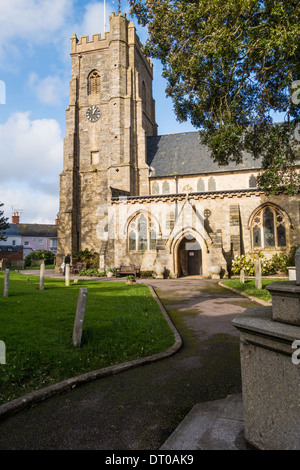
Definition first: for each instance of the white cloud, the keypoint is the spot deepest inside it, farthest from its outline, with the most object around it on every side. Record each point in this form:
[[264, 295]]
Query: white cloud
[[33, 207], [50, 90], [31, 160], [93, 19], [32, 19]]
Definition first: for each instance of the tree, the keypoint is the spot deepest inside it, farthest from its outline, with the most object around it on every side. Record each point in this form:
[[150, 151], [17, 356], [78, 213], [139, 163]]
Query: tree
[[3, 224], [230, 64]]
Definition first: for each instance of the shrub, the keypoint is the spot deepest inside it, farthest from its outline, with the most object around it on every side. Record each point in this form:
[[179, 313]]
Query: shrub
[[146, 274], [47, 256], [291, 256], [110, 269], [279, 262], [246, 262], [90, 257], [91, 272]]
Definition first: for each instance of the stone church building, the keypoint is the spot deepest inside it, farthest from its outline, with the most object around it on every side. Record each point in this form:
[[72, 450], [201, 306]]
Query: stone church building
[[159, 202]]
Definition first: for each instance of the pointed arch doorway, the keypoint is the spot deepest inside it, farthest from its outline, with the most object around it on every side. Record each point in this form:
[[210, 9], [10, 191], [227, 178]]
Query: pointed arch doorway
[[189, 257]]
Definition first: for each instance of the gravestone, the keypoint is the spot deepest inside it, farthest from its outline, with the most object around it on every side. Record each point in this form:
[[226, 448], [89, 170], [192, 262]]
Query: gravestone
[[242, 276], [6, 283], [42, 276], [67, 275], [79, 317], [257, 272], [3, 264], [2, 353]]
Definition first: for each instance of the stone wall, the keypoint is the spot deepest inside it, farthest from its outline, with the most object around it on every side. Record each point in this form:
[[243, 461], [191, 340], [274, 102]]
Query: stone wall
[[110, 152]]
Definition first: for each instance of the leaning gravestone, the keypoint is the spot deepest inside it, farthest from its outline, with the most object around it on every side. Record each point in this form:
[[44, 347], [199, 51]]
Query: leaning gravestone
[[6, 283], [80, 312]]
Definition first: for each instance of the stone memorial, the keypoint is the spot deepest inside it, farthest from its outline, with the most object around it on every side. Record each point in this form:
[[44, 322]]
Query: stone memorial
[[3, 264], [271, 368], [42, 276], [2, 353], [257, 272], [79, 317], [242, 276], [6, 283], [67, 275]]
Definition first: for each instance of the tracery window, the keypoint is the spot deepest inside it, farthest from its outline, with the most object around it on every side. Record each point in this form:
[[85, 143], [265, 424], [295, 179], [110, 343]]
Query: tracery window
[[200, 185], [142, 234], [211, 184], [268, 228], [94, 82], [166, 187], [252, 182], [155, 188]]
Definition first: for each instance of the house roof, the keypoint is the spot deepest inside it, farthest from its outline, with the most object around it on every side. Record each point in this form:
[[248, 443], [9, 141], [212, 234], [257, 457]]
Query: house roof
[[183, 154], [37, 230], [31, 230], [10, 248]]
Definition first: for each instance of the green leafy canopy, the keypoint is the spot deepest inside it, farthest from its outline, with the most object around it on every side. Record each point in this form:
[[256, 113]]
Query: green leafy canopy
[[3, 224], [229, 65]]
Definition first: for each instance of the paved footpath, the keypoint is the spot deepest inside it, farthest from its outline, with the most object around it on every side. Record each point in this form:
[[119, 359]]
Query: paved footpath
[[140, 408]]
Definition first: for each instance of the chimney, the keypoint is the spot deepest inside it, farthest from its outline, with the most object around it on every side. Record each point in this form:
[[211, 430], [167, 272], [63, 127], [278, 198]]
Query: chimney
[[56, 221], [15, 218]]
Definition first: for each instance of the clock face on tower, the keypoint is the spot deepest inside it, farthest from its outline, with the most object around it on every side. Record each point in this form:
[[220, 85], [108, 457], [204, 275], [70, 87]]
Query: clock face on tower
[[93, 113]]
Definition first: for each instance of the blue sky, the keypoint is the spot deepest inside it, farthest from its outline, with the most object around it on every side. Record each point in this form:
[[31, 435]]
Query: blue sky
[[35, 67]]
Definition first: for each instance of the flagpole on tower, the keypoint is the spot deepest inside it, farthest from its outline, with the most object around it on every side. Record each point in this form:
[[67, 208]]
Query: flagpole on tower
[[104, 18]]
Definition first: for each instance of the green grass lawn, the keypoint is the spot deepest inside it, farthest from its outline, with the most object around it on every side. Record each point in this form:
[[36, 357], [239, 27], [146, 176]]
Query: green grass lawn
[[31, 268], [122, 322], [249, 287]]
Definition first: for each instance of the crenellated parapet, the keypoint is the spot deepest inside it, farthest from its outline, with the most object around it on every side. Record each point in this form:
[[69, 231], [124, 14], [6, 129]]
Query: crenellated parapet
[[121, 29], [84, 44]]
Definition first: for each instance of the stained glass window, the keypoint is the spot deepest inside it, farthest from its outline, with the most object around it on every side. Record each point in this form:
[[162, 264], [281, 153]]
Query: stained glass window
[[142, 234], [268, 228]]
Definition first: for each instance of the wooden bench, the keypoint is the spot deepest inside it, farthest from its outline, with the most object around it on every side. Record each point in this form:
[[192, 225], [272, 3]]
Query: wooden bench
[[127, 270], [78, 267]]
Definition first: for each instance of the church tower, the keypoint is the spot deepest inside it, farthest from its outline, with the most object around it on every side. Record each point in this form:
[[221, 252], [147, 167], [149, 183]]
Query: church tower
[[111, 112]]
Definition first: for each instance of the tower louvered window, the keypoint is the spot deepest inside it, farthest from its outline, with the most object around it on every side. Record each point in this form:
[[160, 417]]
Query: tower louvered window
[[94, 83]]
